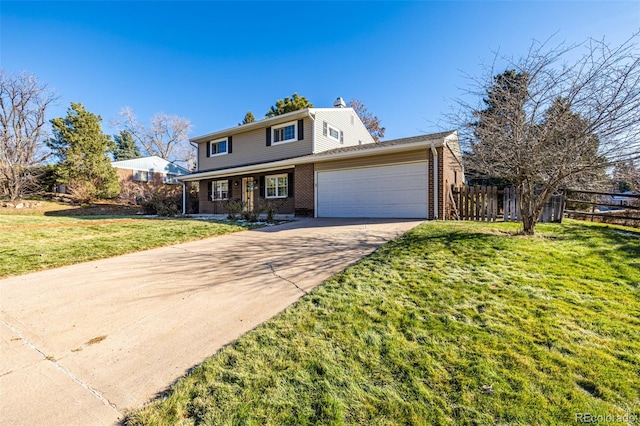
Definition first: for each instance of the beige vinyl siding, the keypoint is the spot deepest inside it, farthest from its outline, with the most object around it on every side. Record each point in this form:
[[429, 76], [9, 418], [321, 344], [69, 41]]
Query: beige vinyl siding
[[339, 118], [250, 147], [375, 160]]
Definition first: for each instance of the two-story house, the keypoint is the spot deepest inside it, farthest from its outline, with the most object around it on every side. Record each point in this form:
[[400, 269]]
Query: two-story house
[[323, 162]]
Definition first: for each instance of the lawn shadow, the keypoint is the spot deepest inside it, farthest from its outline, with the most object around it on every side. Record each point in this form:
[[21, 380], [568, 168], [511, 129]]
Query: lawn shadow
[[623, 240]]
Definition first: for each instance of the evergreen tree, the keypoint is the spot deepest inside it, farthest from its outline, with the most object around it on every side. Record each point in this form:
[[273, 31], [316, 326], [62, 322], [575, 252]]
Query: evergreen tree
[[126, 147], [248, 118], [288, 104], [83, 152], [626, 176]]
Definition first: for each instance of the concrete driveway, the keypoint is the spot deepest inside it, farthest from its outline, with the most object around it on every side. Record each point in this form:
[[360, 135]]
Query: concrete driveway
[[85, 343]]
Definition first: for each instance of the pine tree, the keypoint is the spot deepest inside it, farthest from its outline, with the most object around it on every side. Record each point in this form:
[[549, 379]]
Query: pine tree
[[126, 147], [83, 152], [248, 118], [288, 104]]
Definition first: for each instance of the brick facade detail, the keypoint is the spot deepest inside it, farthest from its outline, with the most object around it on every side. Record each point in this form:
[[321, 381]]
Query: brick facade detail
[[132, 191], [286, 205], [449, 173], [304, 190]]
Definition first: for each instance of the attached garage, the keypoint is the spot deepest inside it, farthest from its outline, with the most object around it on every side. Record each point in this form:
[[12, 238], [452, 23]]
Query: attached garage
[[394, 191]]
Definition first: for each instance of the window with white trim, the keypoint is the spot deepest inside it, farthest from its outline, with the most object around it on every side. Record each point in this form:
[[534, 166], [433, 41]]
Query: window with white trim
[[220, 190], [141, 175], [218, 147], [334, 133], [276, 186], [287, 132]]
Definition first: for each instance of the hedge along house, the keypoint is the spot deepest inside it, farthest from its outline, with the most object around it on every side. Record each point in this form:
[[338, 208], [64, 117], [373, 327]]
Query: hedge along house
[[322, 162]]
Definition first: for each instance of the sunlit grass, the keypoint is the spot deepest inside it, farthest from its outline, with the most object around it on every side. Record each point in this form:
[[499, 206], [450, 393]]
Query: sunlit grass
[[30, 242], [454, 323]]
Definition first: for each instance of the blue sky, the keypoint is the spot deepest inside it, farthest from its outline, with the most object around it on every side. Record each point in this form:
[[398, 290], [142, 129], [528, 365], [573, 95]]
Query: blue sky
[[213, 61]]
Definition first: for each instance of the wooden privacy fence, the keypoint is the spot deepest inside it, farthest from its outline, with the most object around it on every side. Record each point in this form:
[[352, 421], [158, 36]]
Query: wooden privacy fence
[[553, 211], [475, 203], [487, 203]]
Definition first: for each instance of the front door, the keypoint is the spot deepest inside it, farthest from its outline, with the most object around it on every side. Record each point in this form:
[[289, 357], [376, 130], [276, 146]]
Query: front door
[[247, 194]]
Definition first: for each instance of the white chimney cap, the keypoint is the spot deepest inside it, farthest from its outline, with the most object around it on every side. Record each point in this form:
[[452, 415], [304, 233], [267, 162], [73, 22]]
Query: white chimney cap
[[339, 103]]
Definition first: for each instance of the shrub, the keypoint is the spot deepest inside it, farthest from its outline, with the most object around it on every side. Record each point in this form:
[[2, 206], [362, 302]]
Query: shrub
[[234, 207], [272, 208], [163, 201], [253, 215]]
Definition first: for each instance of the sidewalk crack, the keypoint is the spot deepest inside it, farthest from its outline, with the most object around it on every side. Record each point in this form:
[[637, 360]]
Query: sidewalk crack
[[60, 367], [273, 271]]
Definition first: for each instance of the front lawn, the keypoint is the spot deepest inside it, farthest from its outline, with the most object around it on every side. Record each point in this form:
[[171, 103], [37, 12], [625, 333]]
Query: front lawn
[[33, 242], [454, 323]]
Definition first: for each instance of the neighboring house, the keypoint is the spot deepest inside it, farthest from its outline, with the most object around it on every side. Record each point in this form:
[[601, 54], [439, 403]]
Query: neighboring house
[[322, 162], [138, 175], [623, 200]]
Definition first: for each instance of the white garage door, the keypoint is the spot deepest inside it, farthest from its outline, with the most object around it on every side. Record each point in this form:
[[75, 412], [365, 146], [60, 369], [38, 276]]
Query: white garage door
[[385, 191]]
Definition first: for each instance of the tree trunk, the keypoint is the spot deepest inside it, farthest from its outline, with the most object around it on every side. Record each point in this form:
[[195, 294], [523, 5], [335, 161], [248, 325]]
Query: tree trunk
[[528, 224], [529, 209]]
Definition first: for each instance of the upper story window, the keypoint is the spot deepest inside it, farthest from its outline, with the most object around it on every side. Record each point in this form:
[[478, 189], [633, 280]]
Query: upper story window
[[287, 132], [332, 132], [219, 147], [141, 175]]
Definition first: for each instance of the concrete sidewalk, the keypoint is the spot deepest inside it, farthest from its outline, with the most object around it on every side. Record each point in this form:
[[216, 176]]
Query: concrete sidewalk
[[83, 344]]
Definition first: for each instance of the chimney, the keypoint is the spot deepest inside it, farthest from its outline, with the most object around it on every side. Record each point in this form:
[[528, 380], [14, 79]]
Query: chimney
[[339, 103]]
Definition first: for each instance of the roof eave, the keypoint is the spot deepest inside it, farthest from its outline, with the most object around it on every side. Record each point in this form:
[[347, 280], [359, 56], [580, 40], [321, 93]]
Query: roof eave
[[312, 158], [265, 122]]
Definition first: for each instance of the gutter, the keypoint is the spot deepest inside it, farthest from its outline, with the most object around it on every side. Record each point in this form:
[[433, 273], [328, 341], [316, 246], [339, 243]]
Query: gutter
[[265, 122], [312, 158]]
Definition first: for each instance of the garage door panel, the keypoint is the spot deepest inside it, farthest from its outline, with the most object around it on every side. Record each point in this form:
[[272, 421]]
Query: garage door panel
[[383, 191]]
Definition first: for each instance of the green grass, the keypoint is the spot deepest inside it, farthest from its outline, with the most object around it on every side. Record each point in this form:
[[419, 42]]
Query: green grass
[[31, 242], [454, 323]]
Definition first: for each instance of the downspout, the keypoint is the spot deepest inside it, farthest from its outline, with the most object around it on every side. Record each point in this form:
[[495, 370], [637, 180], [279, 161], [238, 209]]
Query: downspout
[[184, 198], [315, 174], [434, 151], [313, 131], [184, 185], [197, 153]]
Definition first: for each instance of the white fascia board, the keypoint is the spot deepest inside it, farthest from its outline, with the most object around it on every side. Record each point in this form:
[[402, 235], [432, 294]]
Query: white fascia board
[[234, 171], [317, 158], [264, 123]]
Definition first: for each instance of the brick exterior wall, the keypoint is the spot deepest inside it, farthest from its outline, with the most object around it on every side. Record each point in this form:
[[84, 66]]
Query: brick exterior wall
[[304, 190], [286, 205], [130, 189], [449, 172], [452, 175], [302, 203]]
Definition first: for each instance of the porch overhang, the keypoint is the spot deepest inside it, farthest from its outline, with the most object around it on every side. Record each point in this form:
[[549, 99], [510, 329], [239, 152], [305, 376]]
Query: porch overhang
[[347, 153]]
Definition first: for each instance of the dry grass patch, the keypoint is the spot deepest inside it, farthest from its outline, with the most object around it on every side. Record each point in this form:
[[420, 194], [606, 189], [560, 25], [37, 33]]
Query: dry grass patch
[[34, 242]]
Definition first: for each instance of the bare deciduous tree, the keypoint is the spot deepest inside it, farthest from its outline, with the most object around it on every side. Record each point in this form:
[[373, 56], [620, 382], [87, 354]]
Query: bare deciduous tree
[[370, 121], [547, 122], [23, 105], [166, 136]]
